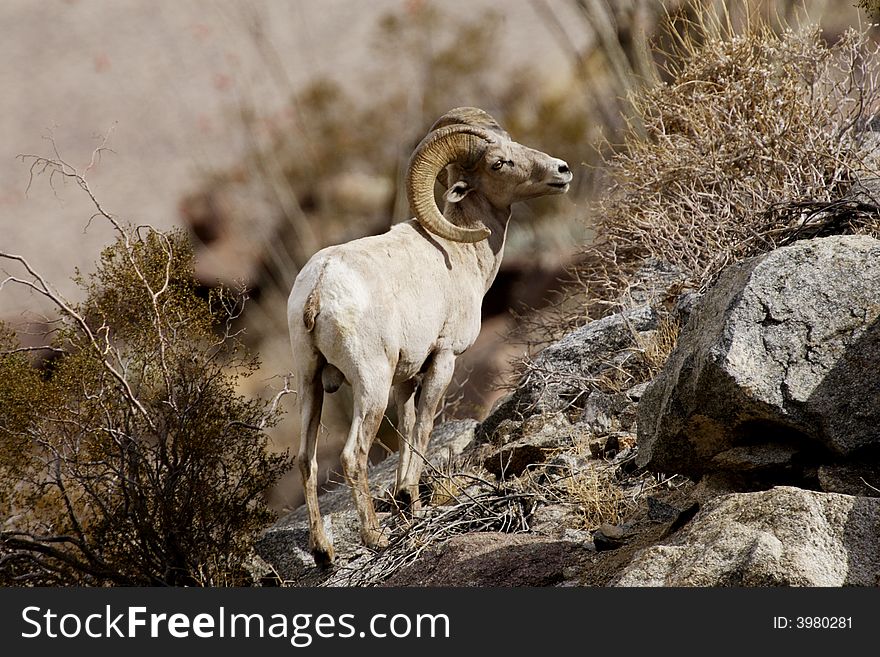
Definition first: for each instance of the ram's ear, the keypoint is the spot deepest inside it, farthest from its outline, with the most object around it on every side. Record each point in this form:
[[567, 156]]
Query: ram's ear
[[457, 192]]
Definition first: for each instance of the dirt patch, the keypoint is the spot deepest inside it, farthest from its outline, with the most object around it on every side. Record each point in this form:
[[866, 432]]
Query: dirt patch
[[493, 559]]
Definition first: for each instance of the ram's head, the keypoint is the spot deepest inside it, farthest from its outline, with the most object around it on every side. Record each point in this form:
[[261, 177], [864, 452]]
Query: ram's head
[[476, 156]]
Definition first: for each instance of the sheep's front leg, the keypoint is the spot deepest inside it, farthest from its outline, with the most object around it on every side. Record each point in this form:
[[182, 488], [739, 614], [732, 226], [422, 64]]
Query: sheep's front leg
[[433, 387]]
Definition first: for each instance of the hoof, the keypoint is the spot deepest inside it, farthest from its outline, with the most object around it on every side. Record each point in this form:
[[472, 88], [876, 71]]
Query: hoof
[[323, 556], [404, 498], [406, 502]]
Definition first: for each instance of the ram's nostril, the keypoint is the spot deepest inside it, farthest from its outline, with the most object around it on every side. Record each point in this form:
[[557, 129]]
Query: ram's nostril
[[563, 168]]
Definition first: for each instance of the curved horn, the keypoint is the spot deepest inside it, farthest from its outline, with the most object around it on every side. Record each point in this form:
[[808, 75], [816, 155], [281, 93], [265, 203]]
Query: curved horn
[[459, 143], [473, 116]]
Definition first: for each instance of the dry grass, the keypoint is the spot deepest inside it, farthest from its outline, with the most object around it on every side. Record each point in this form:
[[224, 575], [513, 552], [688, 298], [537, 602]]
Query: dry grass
[[599, 498], [657, 349], [870, 6], [599, 491], [753, 143]]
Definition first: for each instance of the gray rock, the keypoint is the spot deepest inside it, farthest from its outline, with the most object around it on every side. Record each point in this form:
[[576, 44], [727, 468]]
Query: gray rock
[[684, 307], [566, 464], [752, 458], [635, 393], [660, 511], [285, 547], [562, 374], [604, 413], [554, 519], [582, 355], [851, 478], [549, 425], [540, 437], [581, 536], [493, 559], [606, 447], [783, 350], [655, 283], [616, 532], [781, 537]]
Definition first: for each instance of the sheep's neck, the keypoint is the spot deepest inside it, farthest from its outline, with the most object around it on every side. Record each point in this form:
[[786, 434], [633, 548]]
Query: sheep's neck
[[472, 211]]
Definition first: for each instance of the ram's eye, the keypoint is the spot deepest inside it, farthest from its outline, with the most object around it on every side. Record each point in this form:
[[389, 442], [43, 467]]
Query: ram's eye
[[497, 166]]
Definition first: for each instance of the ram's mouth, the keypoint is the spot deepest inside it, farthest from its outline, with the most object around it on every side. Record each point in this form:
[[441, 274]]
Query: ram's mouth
[[559, 185]]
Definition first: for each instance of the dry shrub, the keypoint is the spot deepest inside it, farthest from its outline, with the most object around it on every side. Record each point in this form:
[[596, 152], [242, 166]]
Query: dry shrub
[[756, 135], [870, 6], [131, 458], [657, 349], [599, 497], [599, 491]]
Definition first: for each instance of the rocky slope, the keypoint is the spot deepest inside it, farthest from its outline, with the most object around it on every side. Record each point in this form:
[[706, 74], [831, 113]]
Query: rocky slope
[[751, 458]]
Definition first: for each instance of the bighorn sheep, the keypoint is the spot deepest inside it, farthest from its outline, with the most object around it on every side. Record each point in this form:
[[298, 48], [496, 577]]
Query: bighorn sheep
[[389, 314]]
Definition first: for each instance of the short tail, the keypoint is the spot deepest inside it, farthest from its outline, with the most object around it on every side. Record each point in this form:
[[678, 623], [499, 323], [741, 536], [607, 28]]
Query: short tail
[[311, 310], [312, 307]]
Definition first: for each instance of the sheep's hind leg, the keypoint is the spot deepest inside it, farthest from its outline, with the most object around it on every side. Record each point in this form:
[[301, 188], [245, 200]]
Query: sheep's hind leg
[[369, 409], [311, 397], [433, 387]]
